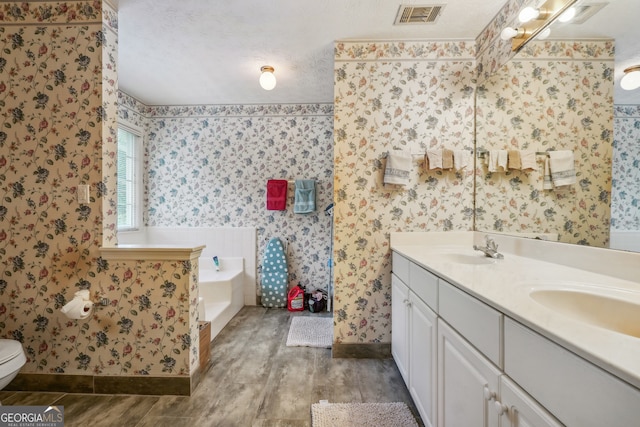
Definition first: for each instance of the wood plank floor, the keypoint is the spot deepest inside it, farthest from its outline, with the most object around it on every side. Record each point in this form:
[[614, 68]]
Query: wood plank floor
[[253, 380]]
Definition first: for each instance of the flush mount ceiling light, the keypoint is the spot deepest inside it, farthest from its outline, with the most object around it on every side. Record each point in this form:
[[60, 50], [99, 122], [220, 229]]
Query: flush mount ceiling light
[[535, 22], [267, 79], [631, 78]]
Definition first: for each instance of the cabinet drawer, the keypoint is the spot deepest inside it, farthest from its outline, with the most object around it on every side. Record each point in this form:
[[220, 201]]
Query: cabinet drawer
[[424, 285], [400, 267], [480, 324], [577, 392]]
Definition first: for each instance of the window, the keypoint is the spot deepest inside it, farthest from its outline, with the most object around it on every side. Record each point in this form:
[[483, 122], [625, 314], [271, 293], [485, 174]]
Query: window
[[129, 178]]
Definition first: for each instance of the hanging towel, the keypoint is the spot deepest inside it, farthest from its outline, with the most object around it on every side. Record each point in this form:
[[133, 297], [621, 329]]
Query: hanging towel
[[514, 160], [497, 160], [546, 183], [305, 196], [502, 159], [461, 159], [528, 160], [277, 194], [397, 169], [447, 159], [492, 161], [562, 167], [433, 159]]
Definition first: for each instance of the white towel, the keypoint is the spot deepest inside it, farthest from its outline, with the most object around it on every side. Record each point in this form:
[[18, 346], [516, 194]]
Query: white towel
[[546, 181], [397, 169], [528, 160], [461, 159], [562, 167], [434, 156], [503, 156], [497, 160]]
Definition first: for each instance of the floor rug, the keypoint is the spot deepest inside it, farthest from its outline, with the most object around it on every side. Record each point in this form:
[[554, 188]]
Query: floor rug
[[307, 331], [395, 414]]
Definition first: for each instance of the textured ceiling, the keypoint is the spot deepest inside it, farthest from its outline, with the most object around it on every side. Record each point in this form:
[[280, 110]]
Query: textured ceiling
[[186, 52]]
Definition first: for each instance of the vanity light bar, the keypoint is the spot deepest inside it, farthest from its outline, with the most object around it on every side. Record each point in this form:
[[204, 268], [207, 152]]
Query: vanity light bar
[[531, 29]]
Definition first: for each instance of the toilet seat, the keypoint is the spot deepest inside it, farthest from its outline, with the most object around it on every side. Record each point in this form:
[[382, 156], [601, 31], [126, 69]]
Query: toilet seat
[[9, 349]]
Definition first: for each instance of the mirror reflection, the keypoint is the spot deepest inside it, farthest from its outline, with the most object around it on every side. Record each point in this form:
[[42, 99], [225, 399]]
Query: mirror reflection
[[564, 94]]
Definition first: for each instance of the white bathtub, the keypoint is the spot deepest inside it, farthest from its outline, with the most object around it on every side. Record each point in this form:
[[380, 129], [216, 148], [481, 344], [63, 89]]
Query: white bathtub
[[220, 292]]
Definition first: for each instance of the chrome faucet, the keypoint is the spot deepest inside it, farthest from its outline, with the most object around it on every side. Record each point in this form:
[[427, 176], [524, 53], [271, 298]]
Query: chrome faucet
[[490, 249]]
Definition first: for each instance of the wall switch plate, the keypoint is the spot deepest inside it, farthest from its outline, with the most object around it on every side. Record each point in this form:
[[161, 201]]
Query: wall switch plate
[[83, 193]]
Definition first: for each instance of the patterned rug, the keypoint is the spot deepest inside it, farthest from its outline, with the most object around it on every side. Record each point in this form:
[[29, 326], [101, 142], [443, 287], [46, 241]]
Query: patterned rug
[[396, 414], [307, 331]]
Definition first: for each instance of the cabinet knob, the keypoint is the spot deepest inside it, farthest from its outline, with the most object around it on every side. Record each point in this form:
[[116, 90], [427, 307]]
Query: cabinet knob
[[488, 394], [501, 408]]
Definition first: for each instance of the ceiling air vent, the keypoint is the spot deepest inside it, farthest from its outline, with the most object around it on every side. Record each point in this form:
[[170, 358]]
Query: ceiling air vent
[[586, 11], [412, 14]]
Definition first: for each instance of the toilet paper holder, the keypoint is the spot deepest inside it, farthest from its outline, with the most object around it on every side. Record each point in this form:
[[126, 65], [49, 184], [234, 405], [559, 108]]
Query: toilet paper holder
[[81, 306]]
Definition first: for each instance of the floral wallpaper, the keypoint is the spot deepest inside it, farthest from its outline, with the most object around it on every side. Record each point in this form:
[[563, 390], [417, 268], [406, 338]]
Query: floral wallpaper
[[394, 96], [209, 165], [492, 51], [58, 98], [109, 119], [625, 209], [549, 97]]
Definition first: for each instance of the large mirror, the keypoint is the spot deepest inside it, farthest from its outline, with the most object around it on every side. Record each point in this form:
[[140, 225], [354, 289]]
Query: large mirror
[[564, 94]]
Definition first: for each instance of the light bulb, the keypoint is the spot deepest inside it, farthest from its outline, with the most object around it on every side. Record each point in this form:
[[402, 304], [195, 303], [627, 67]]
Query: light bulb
[[508, 33], [631, 78], [567, 15], [528, 14], [267, 79], [544, 34]]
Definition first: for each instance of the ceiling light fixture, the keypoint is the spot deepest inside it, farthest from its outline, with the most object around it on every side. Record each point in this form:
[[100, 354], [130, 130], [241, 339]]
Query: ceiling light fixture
[[535, 22], [631, 78], [267, 79]]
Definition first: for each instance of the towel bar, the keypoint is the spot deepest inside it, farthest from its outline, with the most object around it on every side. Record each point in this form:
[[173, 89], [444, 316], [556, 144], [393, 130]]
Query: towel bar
[[482, 152]]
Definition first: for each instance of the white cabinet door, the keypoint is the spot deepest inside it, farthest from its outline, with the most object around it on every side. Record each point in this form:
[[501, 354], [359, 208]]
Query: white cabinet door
[[400, 326], [423, 374], [520, 410], [468, 383]]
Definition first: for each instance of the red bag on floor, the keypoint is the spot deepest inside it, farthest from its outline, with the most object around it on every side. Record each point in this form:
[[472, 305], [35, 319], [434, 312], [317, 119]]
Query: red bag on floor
[[295, 300]]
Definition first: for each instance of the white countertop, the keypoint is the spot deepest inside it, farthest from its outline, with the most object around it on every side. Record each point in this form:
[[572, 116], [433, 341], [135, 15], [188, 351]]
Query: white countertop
[[505, 285]]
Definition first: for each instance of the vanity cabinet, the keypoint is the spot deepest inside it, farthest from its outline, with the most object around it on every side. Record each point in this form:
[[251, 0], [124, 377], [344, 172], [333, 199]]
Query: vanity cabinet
[[467, 383], [518, 409], [491, 370], [577, 392], [413, 346], [448, 347], [472, 391], [478, 323], [414, 333], [422, 358], [400, 326]]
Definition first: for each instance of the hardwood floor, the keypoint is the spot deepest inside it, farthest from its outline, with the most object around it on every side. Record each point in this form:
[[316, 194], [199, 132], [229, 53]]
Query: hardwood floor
[[253, 380]]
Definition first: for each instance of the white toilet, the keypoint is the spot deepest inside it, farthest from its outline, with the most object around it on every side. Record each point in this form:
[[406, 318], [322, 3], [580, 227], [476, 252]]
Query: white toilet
[[12, 358]]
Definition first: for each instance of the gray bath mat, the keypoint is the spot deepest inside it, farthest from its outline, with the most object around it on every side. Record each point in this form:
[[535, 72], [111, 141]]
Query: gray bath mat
[[307, 331], [396, 414]]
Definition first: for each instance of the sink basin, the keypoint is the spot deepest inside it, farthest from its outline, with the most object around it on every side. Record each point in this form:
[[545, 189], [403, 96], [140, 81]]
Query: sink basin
[[477, 259], [597, 309]]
